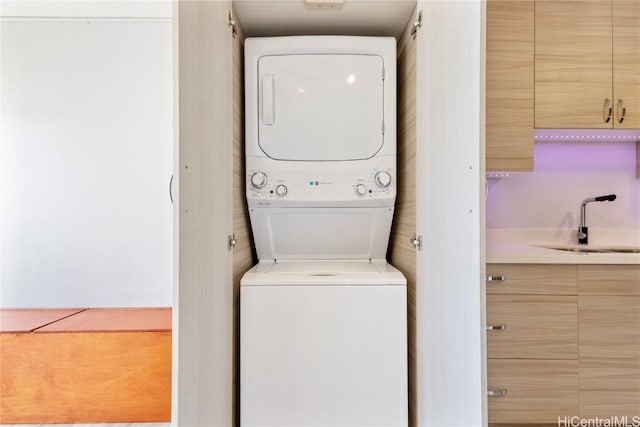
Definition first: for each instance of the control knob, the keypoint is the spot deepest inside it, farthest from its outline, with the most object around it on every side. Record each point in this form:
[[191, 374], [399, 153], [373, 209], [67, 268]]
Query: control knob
[[383, 179], [259, 180], [361, 190], [281, 190]]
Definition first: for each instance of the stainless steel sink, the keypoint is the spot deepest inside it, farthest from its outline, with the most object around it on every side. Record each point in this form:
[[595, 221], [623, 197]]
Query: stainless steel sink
[[593, 249]]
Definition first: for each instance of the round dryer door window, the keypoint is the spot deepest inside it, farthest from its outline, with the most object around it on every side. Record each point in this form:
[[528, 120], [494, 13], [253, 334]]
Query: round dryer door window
[[321, 107]]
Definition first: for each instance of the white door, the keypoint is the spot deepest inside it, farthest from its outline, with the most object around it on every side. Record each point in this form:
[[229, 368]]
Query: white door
[[203, 304], [320, 107], [451, 389]]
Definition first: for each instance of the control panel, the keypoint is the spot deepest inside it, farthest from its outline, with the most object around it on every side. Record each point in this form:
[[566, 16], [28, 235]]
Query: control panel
[[313, 185]]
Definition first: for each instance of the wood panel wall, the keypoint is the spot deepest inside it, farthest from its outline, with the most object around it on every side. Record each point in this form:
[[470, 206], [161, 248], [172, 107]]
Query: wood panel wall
[[402, 254]]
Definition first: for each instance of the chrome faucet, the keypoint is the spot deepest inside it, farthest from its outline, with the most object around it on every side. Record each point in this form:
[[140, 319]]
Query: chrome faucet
[[583, 231]]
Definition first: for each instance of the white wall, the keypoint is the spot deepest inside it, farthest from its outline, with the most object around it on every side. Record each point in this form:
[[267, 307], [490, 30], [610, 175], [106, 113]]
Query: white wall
[[565, 174], [85, 160]]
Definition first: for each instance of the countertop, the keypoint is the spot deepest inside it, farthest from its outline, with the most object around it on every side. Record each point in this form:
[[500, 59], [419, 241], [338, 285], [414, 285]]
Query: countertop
[[521, 246]]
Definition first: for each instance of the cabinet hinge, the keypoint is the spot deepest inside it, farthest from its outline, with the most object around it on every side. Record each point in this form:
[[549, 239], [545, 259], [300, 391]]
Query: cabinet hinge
[[416, 241], [232, 24], [384, 73], [383, 127], [416, 25], [231, 242]]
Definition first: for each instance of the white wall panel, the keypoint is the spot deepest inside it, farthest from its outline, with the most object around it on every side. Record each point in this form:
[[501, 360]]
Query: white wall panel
[[82, 9], [85, 160]]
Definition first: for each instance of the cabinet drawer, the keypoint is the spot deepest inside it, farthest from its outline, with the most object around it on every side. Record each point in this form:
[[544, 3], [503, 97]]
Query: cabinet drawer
[[543, 327], [609, 280], [537, 391], [534, 279]]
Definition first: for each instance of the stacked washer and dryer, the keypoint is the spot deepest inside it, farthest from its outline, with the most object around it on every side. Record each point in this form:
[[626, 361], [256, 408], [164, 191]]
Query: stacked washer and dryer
[[323, 320]]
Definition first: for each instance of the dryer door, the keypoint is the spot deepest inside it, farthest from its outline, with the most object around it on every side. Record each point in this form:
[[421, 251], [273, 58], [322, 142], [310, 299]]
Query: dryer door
[[320, 107]]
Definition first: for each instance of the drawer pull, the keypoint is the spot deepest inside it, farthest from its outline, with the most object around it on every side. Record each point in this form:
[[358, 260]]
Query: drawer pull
[[496, 279], [622, 109], [608, 108], [497, 393], [496, 327]]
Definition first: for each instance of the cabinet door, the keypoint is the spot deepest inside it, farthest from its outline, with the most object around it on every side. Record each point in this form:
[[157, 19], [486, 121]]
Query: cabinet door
[[204, 297], [609, 352], [402, 254], [626, 63], [573, 61], [448, 100], [509, 96]]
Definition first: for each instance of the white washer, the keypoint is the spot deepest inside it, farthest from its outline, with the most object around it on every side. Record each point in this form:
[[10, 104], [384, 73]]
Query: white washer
[[323, 344], [323, 315]]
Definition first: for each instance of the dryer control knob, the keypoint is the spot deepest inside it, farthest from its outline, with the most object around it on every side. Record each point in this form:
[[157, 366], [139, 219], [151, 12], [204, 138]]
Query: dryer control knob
[[281, 190], [259, 180], [383, 179], [361, 190]]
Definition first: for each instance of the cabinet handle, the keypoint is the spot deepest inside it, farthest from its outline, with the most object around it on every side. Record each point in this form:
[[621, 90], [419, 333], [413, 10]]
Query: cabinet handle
[[170, 188], [496, 279], [609, 110], [623, 109], [496, 327], [497, 393]]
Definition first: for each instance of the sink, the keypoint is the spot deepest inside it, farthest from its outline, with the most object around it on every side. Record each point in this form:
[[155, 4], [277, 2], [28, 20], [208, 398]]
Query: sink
[[593, 249]]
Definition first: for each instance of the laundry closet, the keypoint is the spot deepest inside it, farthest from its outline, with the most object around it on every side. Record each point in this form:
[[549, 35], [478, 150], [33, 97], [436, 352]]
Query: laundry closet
[[436, 238]]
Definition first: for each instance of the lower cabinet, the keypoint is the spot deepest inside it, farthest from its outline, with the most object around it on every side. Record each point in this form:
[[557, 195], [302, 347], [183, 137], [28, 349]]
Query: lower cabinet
[[562, 341], [532, 343], [537, 391], [609, 340]]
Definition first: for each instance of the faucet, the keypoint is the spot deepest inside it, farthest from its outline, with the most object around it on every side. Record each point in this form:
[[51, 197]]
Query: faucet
[[583, 230]]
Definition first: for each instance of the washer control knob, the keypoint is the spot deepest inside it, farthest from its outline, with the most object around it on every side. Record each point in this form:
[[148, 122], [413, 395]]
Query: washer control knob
[[383, 179], [259, 180], [361, 190], [281, 190]]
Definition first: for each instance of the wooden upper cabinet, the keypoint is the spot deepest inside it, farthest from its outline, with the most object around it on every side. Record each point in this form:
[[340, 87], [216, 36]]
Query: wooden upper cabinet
[[573, 64], [509, 90], [626, 63], [587, 64]]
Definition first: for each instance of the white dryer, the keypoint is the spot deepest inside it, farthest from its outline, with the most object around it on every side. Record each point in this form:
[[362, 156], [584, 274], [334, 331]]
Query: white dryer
[[323, 326]]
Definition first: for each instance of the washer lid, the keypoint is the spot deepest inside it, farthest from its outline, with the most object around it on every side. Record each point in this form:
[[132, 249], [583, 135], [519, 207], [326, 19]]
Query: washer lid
[[327, 273], [320, 107]]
